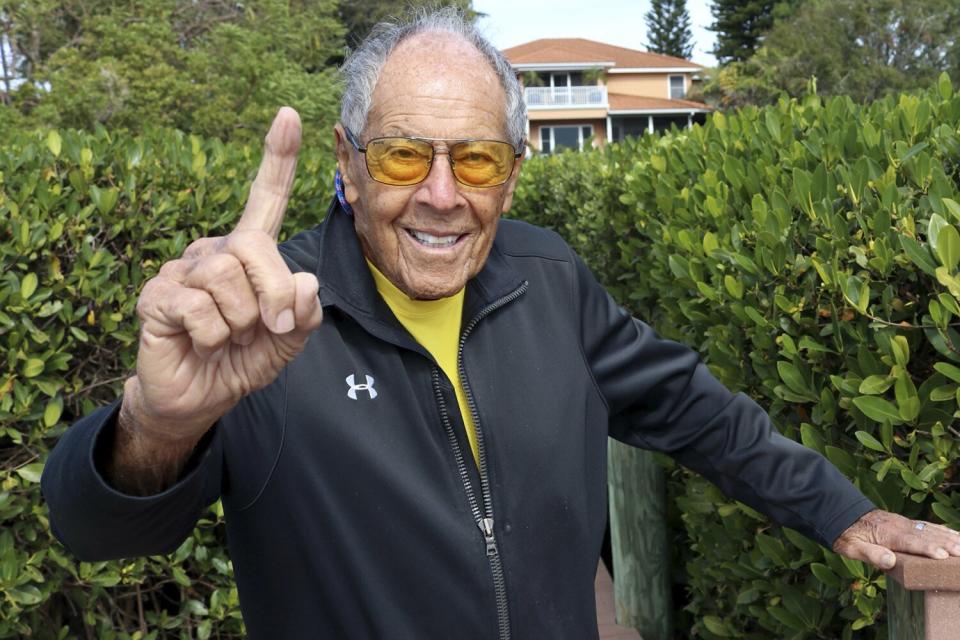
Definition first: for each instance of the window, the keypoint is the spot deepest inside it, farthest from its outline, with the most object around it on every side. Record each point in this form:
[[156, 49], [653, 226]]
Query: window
[[555, 138], [678, 87]]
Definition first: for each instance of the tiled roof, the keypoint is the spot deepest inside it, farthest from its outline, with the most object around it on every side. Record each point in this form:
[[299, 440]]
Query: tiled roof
[[567, 50], [623, 102]]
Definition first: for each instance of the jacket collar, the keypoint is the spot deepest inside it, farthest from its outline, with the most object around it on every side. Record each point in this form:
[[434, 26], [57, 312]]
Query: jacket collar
[[346, 282]]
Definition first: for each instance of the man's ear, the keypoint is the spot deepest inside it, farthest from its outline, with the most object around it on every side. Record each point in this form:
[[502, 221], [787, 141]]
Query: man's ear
[[342, 148], [511, 184]]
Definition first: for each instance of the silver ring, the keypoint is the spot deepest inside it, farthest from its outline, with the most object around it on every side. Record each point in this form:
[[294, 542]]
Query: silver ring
[[920, 526]]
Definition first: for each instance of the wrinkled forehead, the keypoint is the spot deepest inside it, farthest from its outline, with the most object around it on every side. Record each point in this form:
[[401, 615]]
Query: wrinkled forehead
[[438, 79]]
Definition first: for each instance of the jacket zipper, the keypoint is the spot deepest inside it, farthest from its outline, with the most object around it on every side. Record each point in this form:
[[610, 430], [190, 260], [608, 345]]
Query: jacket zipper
[[482, 516]]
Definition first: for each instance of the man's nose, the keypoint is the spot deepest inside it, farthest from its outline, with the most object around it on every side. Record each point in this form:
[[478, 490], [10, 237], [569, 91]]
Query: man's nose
[[439, 189]]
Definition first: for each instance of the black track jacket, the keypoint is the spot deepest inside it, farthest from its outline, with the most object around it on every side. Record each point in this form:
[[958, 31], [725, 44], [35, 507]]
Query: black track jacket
[[353, 508]]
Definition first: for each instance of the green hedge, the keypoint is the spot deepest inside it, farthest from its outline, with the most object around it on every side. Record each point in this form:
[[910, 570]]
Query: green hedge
[[809, 251], [85, 219]]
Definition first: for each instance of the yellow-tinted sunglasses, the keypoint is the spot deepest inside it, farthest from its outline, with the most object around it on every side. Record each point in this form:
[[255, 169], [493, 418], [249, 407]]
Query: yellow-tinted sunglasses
[[401, 161]]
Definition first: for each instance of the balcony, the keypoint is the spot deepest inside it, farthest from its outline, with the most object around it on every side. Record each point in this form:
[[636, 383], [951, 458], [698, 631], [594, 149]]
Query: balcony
[[559, 97]]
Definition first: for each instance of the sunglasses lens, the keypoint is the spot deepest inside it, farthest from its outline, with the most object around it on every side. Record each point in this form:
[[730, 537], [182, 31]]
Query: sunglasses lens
[[399, 161], [482, 163], [406, 161]]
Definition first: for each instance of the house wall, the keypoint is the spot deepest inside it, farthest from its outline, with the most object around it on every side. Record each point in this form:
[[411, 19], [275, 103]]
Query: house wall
[[651, 85], [565, 114], [599, 130]]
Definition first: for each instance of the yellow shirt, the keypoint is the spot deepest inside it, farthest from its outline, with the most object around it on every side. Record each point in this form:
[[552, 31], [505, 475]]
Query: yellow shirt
[[435, 324]]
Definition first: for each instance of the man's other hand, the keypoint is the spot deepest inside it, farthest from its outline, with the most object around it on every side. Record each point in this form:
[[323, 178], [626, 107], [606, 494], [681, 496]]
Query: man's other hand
[[877, 534]]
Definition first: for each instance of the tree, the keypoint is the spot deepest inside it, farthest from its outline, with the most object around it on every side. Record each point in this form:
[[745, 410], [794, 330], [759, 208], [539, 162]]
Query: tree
[[740, 25], [668, 28], [861, 49], [211, 67]]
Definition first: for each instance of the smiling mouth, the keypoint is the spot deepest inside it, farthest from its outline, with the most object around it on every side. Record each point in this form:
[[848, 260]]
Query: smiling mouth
[[432, 241]]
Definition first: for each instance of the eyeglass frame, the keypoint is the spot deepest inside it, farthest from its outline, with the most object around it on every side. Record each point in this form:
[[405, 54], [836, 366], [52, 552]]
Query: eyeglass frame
[[352, 138]]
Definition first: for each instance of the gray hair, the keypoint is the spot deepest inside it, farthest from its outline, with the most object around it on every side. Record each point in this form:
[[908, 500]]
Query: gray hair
[[362, 67]]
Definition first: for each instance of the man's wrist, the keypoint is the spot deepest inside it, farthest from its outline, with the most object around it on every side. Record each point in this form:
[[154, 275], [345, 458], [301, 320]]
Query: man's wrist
[[149, 453]]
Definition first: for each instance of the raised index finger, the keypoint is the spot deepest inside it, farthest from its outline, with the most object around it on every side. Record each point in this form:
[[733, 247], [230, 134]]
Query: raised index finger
[[271, 188]]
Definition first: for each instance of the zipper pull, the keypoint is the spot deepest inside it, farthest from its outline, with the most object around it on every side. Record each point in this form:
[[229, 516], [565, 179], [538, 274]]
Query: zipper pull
[[486, 528]]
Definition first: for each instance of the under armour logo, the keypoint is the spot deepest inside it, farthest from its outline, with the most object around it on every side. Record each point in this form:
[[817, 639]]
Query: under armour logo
[[368, 387]]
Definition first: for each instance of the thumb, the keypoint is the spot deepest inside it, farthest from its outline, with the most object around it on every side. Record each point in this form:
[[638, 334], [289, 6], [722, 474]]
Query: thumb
[[308, 315], [874, 554], [270, 191]]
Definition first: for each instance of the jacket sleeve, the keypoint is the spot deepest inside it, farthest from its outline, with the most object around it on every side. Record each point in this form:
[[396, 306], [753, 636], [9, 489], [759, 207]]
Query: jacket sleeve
[[662, 397], [96, 522]]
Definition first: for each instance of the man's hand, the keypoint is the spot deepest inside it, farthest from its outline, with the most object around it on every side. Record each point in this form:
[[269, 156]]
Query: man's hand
[[877, 534], [219, 322]]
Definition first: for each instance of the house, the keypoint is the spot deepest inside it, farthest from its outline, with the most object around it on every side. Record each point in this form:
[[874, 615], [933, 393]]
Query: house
[[578, 89]]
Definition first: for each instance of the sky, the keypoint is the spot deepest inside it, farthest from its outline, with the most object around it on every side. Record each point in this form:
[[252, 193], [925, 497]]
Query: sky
[[618, 22]]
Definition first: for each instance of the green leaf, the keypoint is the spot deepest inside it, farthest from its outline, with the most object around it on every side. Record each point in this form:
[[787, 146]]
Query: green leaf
[[32, 367], [51, 414], [748, 596], [948, 247], [943, 393], [868, 441], [948, 370], [108, 200], [901, 350], [944, 87], [950, 516], [952, 207], [791, 375], [31, 472], [854, 567], [28, 285], [773, 549], [912, 479], [787, 619], [26, 595], [810, 437], [734, 286], [180, 576], [54, 143], [918, 254], [914, 150], [908, 401], [857, 293], [861, 623], [950, 303], [934, 227], [875, 385], [823, 573], [878, 409], [715, 625], [710, 243]]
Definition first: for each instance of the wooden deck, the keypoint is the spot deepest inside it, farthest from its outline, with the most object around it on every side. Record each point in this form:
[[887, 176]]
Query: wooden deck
[[609, 630]]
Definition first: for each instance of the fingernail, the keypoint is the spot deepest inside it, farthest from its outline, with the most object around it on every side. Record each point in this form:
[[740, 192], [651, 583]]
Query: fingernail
[[285, 322], [888, 560], [941, 553]]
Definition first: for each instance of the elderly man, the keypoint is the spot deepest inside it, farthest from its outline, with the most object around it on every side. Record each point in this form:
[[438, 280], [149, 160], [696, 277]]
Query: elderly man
[[430, 460]]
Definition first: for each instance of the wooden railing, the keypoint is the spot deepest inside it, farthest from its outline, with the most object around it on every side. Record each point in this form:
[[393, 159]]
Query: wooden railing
[[923, 598], [923, 594]]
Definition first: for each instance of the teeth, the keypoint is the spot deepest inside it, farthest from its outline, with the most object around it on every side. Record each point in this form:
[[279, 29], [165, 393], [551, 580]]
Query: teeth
[[433, 241]]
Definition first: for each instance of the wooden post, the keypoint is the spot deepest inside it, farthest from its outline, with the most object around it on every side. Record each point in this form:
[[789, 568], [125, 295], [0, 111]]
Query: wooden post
[[923, 598], [638, 534]]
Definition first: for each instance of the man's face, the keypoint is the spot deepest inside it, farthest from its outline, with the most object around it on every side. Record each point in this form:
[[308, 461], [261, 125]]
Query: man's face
[[432, 86]]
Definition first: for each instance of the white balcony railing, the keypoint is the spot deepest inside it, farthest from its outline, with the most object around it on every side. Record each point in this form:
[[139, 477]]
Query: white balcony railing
[[592, 96]]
